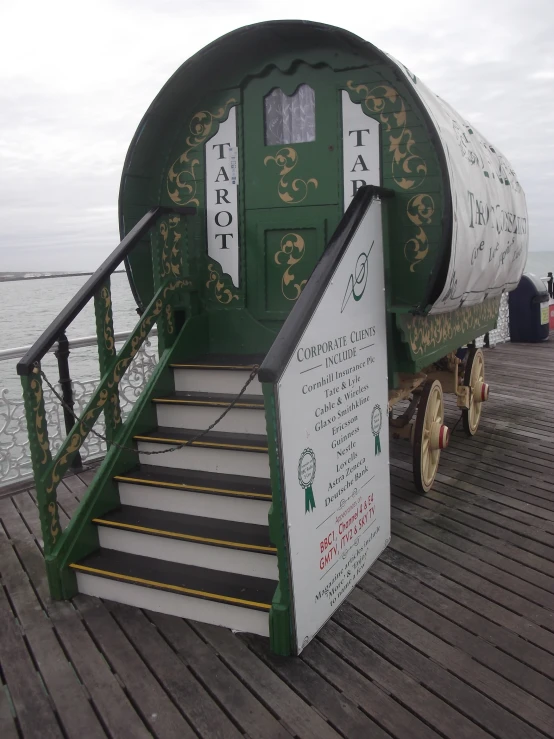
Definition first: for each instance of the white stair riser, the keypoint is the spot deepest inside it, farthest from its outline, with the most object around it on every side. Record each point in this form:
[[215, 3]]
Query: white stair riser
[[226, 461], [206, 611], [215, 381], [209, 505], [184, 552], [185, 416]]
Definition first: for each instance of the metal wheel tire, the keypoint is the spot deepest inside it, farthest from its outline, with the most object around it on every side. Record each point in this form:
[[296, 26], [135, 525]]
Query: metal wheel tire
[[425, 459], [474, 373]]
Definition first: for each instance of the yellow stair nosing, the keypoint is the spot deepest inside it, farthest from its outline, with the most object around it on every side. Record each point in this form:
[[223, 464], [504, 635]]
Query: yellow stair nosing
[[218, 403], [192, 488], [186, 537], [244, 367], [212, 444], [166, 586]]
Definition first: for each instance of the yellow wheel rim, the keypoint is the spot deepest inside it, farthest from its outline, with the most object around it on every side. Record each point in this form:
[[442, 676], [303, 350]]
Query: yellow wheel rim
[[434, 413], [477, 377]]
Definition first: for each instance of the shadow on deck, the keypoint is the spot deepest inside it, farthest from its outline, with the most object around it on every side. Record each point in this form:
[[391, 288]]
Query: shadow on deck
[[451, 634]]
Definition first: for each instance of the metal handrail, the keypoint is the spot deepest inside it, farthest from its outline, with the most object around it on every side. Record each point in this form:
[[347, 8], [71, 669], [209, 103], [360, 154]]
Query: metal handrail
[[82, 341], [58, 326]]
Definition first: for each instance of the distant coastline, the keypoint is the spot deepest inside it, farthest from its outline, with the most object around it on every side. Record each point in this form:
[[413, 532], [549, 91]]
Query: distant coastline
[[15, 276]]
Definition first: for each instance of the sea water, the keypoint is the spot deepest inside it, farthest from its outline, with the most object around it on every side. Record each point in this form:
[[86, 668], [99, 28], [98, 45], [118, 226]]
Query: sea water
[[28, 308]]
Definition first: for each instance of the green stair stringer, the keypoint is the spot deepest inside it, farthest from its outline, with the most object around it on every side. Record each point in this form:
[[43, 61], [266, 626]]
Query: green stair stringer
[[80, 537], [280, 614]]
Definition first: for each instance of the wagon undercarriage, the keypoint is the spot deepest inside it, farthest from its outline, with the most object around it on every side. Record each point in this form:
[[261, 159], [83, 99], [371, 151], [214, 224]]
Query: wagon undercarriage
[[421, 422]]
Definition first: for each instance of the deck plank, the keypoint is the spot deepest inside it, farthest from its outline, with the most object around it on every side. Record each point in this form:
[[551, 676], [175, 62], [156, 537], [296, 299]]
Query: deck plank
[[159, 713], [451, 633], [33, 709], [465, 698], [336, 707], [299, 717], [205, 715], [251, 715], [60, 679]]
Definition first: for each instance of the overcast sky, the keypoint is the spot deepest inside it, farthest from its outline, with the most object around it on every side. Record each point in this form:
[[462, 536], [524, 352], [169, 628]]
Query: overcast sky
[[76, 78]]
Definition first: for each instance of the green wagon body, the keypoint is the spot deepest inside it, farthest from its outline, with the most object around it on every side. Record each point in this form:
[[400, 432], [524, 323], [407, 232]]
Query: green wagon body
[[455, 232]]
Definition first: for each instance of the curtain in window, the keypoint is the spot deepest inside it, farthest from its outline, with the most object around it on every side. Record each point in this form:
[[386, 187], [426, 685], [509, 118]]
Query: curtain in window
[[290, 120]]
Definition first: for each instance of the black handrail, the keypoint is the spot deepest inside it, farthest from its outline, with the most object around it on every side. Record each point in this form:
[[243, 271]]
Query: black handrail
[[58, 326], [291, 332]]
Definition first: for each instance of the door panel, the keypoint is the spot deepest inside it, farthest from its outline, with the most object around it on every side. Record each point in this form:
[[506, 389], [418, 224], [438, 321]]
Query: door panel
[[281, 255], [292, 186], [292, 174]]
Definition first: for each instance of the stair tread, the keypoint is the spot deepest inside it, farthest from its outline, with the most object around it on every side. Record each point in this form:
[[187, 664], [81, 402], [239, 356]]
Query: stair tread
[[217, 439], [212, 399], [215, 482], [231, 534], [221, 362], [213, 585]]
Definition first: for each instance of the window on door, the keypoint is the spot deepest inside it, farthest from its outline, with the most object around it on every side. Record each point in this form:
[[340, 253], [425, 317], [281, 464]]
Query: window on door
[[289, 119]]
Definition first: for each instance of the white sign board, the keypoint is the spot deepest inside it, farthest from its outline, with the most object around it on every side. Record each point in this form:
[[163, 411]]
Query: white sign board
[[489, 212], [222, 197], [332, 410], [360, 149]]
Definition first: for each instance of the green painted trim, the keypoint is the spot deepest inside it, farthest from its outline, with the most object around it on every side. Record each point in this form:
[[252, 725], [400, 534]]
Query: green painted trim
[[281, 633], [432, 337], [41, 458], [54, 472], [80, 537], [106, 355]]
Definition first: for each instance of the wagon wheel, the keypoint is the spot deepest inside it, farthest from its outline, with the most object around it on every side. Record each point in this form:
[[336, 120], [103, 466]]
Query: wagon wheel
[[430, 435], [474, 378]]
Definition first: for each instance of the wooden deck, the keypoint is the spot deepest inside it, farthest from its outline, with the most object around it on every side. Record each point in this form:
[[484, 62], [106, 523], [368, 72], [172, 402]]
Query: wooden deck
[[450, 635]]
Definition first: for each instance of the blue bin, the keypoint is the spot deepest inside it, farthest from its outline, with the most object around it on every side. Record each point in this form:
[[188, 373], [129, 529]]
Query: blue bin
[[528, 304]]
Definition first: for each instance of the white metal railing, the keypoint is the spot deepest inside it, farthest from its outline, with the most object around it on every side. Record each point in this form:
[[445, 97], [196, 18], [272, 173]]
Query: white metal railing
[[15, 456], [19, 351]]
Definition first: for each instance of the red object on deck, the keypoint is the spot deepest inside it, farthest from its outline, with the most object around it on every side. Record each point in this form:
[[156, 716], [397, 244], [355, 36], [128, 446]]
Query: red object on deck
[[551, 314]]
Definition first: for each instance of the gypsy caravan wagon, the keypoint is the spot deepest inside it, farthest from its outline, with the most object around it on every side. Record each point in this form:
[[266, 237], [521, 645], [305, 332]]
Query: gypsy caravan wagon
[[317, 237]]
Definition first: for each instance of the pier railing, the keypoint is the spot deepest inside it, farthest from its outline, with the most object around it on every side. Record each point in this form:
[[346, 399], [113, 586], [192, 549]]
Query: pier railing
[[15, 453], [170, 294]]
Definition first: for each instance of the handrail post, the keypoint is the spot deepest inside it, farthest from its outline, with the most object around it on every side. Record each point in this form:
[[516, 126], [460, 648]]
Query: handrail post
[[41, 459], [62, 355], [167, 264], [106, 353]]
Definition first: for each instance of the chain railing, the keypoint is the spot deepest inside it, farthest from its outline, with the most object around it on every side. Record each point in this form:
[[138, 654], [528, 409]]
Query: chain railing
[[171, 296], [15, 452]]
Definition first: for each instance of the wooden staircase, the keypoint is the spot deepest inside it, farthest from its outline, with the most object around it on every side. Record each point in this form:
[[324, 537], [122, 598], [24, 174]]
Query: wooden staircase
[[191, 536]]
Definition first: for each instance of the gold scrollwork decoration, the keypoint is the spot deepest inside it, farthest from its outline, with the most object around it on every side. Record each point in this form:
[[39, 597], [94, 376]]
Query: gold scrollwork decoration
[[221, 293], [294, 191], [109, 343], [409, 169], [420, 210], [40, 425], [426, 333], [107, 393], [114, 400], [291, 250], [171, 254], [76, 440], [54, 521], [169, 319], [181, 178]]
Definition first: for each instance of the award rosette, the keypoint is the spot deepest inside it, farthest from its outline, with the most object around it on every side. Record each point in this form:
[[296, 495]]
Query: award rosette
[[376, 423], [306, 475]]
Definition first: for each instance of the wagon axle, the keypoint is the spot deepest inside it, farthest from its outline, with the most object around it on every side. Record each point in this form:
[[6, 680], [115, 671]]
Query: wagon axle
[[428, 434]]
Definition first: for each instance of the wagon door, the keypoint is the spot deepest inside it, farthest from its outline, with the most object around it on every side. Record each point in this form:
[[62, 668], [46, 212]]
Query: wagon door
[[292, 184]]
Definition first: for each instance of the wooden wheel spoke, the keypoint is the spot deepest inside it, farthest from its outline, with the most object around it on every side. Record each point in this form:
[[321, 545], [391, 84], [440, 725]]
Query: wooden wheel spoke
[[474, 378], [426, 459]]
